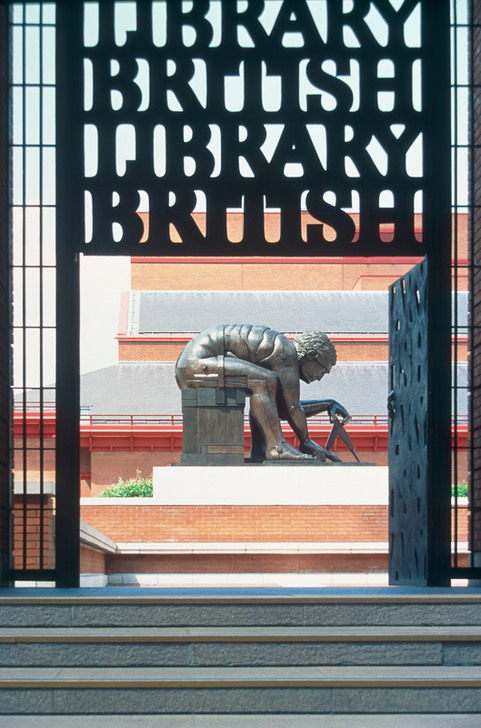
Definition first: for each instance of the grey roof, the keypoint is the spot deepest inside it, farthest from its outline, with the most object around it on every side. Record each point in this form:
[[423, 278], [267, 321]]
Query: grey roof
[[151, 389], [156, 312], [180, 311], [131, 389]]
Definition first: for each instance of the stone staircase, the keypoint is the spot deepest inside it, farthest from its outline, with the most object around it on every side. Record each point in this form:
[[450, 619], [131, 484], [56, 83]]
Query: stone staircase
[[198, 658]]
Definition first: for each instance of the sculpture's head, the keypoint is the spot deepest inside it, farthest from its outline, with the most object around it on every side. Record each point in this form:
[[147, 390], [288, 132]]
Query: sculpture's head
[[316, 354]]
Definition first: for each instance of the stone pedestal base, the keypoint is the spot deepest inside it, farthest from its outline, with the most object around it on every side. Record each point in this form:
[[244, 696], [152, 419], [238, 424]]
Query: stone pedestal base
[[280, 485]]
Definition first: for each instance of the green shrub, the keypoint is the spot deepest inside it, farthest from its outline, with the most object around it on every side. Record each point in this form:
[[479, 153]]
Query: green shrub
[[138, 487], [461, 490]]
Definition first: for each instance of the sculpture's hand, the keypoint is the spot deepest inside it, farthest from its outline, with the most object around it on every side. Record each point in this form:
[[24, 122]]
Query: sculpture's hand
[[337, 410], [312, 448]]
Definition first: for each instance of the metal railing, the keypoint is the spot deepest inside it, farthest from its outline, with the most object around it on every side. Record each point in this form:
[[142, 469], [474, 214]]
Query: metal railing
[[132, 420]]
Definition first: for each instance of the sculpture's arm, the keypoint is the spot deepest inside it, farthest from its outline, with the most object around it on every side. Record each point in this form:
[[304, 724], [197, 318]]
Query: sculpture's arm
[[292, 409], [284, 363], [313, 407], [289, 404]]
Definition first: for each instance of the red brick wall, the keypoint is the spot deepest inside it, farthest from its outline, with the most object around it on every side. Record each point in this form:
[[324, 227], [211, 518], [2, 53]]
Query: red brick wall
[[264, 276], [107, 467], [33, 524], [463, 467], [238, 523], [170, 350], [234, 524], [346, 350], [151, 351], [246, 563], [92, 561], [34, 465], [85, 473]]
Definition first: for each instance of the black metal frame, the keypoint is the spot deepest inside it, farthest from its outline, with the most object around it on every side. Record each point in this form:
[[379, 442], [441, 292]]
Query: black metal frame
[[5, 307], [29, 258], [437, 221], [458, 571], [68, 419], [68, 326], [474, 266]]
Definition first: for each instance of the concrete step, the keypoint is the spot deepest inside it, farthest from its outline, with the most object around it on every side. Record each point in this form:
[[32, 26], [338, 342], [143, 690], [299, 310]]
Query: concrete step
[[418, 720], [203, 646], [203, 607], [303, 690]]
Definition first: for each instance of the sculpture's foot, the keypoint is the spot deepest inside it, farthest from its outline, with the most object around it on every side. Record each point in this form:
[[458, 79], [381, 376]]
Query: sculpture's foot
[[285, 452]]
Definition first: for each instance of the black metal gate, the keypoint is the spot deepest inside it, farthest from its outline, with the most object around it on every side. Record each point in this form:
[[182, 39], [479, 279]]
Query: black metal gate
[[409, 536], [419, 430], [169, 90]]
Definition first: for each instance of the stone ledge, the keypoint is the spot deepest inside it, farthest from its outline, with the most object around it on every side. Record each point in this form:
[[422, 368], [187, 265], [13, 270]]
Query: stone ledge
[[259, 720], [243, 580], [251, 548], [91, 537]]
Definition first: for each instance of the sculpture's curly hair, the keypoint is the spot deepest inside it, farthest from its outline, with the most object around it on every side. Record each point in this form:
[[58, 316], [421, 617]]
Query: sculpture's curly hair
[[315, 345]]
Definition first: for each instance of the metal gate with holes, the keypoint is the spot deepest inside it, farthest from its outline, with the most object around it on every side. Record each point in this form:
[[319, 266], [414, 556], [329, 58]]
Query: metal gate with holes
[[408, 428], [419, 434]]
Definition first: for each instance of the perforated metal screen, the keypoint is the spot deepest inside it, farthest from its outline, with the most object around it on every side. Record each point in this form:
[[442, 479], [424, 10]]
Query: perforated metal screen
[[326, 113]]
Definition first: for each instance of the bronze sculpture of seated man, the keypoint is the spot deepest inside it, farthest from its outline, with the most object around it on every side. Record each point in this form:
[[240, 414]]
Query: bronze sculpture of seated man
[[268, 366]]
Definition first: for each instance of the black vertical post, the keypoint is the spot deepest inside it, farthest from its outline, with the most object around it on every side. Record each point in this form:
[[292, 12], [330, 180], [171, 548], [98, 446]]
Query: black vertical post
[[5, 303], [67, 521], [437, 231], [70, 226]]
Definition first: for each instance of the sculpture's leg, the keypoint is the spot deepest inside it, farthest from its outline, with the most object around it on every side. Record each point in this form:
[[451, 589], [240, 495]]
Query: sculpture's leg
[[262, 384], [258, 445]]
